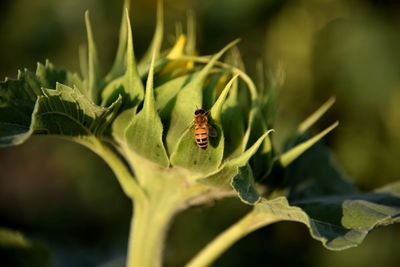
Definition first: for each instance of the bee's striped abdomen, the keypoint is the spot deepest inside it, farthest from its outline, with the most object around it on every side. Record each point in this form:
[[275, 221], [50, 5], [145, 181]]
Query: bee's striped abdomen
[[201, 136]]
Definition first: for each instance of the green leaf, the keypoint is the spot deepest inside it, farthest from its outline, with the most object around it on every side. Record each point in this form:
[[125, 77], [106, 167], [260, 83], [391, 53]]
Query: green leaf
[[262, 161], [113, 89], [121, 123], [94, 77], [157, 38], [83, 62], [245, 156], [167, 91], [269, 97], [118, 67], [315, 174], [339, 222], [287, 157], [391, 189], [186, 101], [9, 238], [67, 112], [232, 124], [222, 178], [236, 109], [48, 76], [16, 250], [17, 101], [129, 86], [144, 134], [243, 184], [18, 97], [322, 198], [307, 123], [342, 222], [190, 48], [234, 58], [216, 109], [209, 90], [188, 155]]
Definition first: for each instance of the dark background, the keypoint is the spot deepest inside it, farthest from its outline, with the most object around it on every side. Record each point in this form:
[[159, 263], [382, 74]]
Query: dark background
[[59, 193]]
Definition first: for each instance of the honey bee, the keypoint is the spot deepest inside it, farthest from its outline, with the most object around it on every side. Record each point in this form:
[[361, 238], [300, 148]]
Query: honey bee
[[202, 128]]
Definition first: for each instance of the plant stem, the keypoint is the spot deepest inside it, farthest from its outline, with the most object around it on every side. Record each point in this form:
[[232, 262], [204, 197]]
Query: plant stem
[[120, 169], [227, 238], [149, 226], [166, 193]]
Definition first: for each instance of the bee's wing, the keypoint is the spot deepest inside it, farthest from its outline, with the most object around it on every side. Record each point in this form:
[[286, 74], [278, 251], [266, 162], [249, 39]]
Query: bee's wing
[[212, 132]]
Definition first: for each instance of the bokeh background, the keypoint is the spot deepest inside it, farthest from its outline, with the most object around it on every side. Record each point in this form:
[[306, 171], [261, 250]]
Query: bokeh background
[[60, 194]]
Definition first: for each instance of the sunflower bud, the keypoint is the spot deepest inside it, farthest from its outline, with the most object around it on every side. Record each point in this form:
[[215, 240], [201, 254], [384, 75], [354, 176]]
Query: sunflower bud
[[177, 129], [156, 130]]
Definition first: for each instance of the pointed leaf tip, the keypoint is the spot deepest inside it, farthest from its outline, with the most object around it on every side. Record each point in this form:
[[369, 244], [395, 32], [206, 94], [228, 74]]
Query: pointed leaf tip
[[128, 85], [316, 115], [148, 124], [133, 84], [191, 32], [118, 66], [149, 98], [156, 42], [217, 107], [214, 59], [289, 156], [94, 76], [242, 159]]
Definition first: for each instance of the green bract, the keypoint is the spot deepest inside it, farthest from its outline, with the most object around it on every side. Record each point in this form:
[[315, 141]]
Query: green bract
[[138, 118]]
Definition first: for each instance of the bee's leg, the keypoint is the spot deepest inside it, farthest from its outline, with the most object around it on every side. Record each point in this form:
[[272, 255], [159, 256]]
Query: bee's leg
[[188, 128]]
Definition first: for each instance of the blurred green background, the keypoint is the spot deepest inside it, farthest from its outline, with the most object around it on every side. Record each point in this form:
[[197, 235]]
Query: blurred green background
[[61, 194]]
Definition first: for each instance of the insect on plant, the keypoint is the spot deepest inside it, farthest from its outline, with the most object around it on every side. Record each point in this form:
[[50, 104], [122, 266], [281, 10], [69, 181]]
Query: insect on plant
[[203, 129], [136, 118]]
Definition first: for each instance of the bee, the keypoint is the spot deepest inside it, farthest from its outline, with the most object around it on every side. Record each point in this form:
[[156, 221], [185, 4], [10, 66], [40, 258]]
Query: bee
[[202, 128]]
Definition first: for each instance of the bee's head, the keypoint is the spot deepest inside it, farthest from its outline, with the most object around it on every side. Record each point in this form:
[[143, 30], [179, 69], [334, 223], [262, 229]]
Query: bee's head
[[199, 111]]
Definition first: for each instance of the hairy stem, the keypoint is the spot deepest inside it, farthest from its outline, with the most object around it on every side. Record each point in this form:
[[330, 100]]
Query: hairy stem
[[152, 215], [167, 192], [148, 229], [226, 239], [117, 165]]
